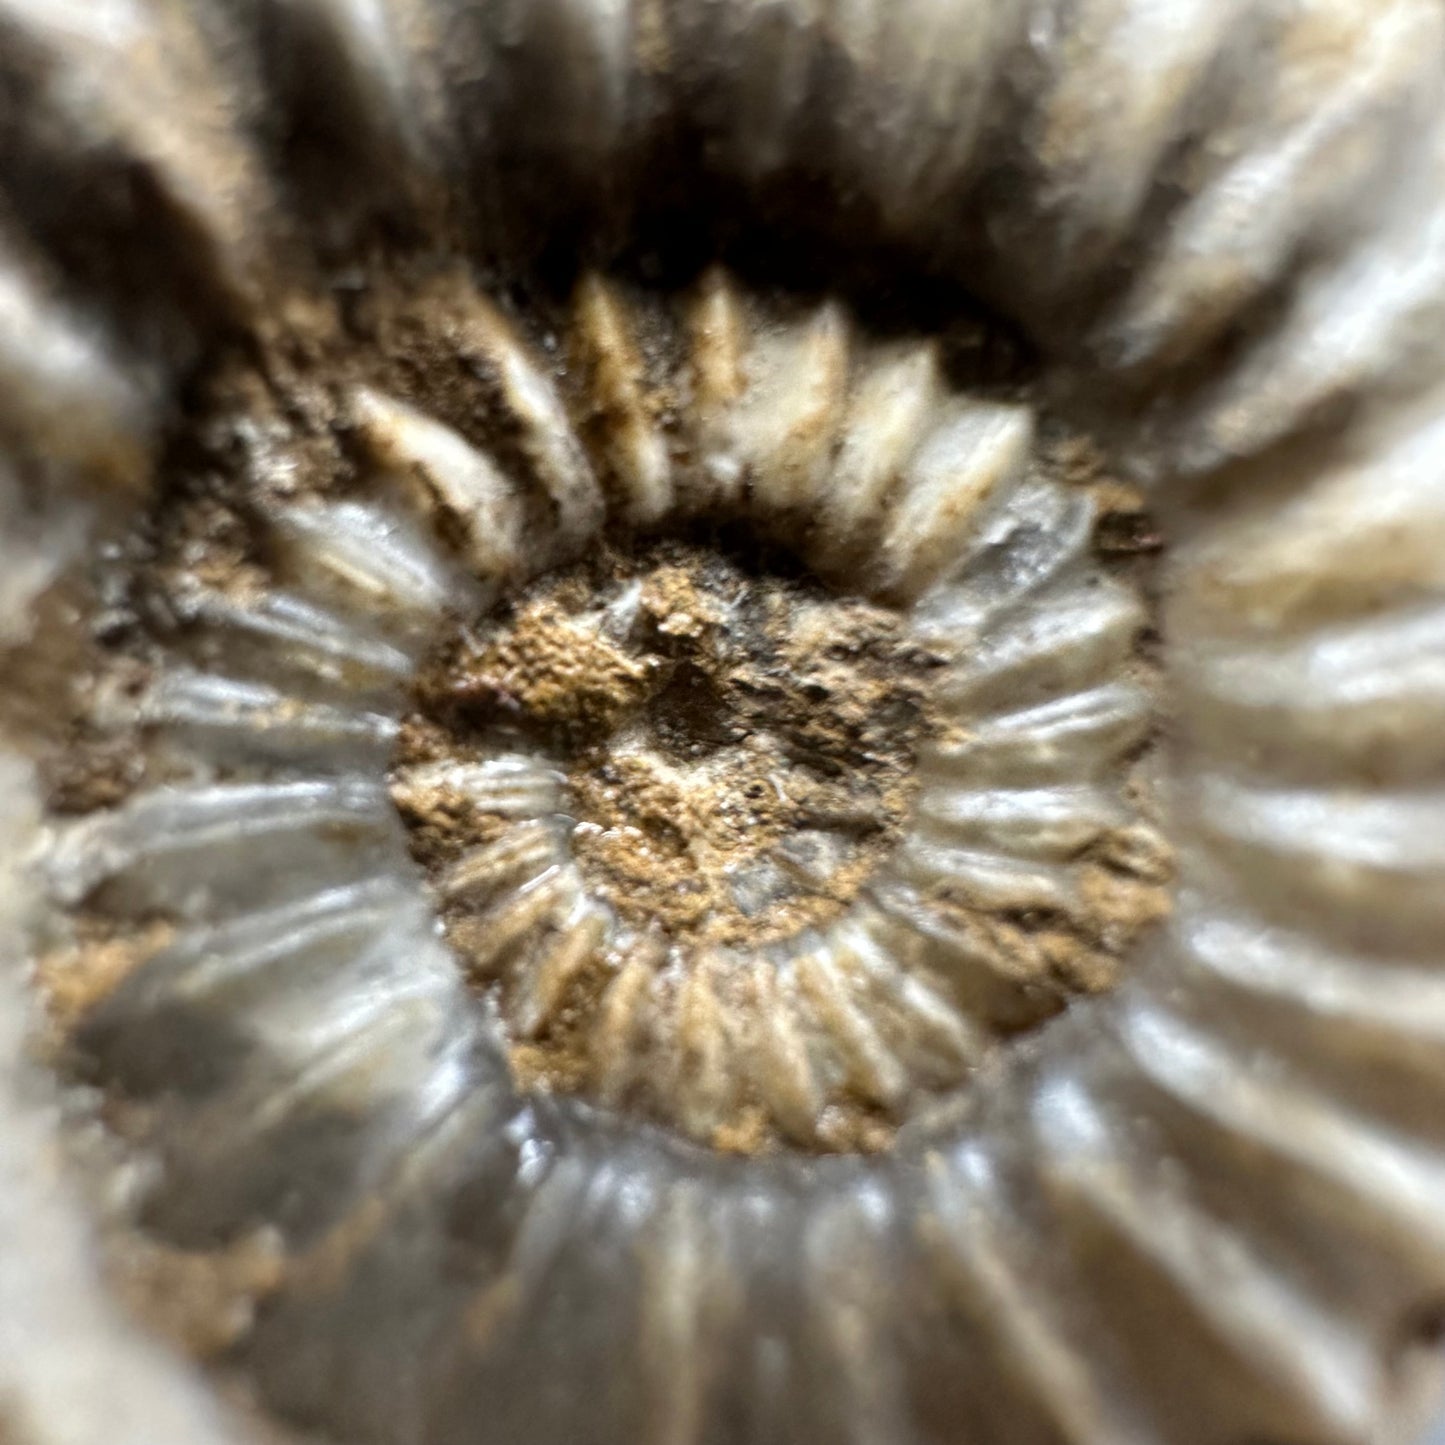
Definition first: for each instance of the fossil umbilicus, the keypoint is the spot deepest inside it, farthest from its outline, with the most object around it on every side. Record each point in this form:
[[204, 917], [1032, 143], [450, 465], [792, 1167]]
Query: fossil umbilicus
[[722, 721]]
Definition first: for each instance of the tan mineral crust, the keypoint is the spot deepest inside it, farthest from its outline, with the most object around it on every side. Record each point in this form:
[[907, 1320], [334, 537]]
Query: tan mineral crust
[[707, 714]]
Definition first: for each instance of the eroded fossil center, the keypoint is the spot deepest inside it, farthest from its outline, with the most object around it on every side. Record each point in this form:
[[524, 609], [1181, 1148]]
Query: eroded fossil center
[[734, 751], [737, 749], [651, 793]]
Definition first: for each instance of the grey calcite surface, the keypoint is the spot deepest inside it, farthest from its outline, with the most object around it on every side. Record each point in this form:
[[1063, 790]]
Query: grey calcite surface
[[1096, 1096]]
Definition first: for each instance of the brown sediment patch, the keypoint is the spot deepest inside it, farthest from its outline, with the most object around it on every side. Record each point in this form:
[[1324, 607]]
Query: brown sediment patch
[[706, 719], [75, 977], [735, 751]]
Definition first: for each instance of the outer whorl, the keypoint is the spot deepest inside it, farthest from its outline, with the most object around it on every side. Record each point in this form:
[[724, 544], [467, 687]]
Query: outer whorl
[[723, 721]]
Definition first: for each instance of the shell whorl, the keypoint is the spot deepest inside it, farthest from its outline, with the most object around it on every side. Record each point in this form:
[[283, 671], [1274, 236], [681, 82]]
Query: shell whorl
[[1203, 1206], [695, 830]]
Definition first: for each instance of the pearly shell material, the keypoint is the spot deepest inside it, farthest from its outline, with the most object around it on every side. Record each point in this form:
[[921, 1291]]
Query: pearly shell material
[[385, 386]]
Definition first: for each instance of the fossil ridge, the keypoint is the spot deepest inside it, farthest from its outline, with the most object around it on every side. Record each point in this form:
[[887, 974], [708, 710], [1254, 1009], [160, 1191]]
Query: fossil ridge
[[1095, 343]]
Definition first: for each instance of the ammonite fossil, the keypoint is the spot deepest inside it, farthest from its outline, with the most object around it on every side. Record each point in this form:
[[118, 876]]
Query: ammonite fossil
[[723, 721]]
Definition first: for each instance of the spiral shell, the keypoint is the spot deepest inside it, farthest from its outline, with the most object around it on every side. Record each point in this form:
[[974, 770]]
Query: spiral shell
[[594, 798]]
